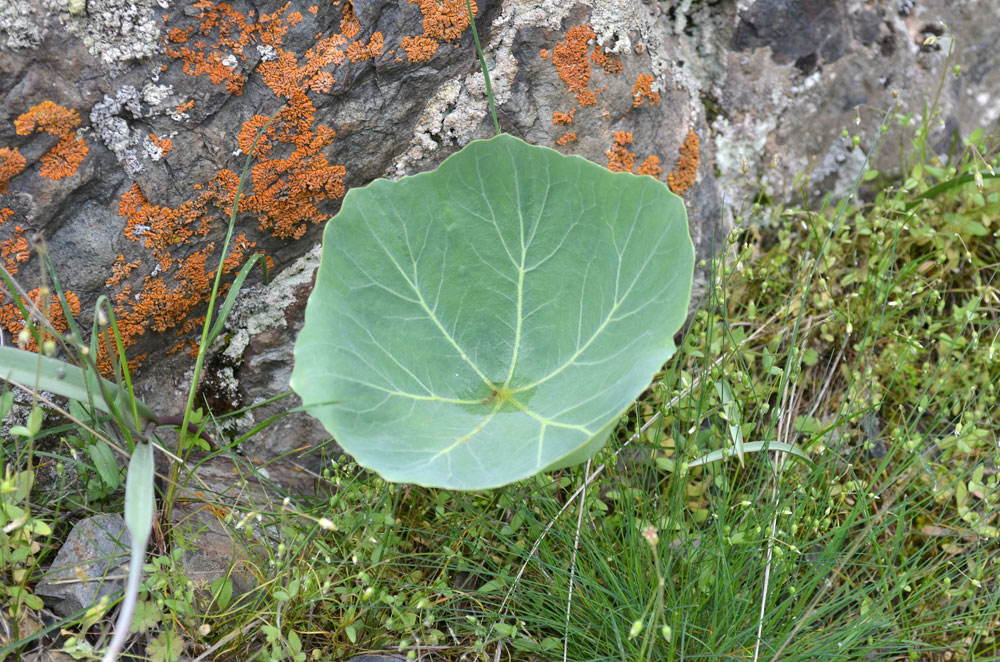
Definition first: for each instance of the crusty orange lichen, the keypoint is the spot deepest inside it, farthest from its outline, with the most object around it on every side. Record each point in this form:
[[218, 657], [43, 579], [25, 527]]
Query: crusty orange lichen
[[67, 155], [287, 190], [234, 34], [11, 164], [419, 49], [622, 160], [15, 250], [445, 20], [313, 9], [11, 319], [570, 59], [563, 119], [619, 158], [291, 178], [5, 213], [544, 53], [349, 26], [47, 117], [358, 52], [642, 90], [184, 107], [685, 173], [651, 167], [566, 139], [165, 144], [610, 63], [63, 159], [120, 270]]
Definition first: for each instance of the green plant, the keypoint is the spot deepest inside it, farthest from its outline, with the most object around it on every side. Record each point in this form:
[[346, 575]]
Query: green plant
[[469, 326]]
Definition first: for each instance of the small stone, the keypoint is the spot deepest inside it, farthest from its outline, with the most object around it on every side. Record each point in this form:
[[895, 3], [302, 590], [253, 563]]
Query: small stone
[[91, 564]]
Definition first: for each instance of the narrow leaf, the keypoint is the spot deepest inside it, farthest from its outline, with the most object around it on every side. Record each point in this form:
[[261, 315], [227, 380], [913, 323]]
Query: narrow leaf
[[752, 447]]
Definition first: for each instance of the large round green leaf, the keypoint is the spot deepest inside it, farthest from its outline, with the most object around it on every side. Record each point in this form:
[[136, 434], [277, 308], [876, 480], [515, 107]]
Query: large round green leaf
[[493, 318]]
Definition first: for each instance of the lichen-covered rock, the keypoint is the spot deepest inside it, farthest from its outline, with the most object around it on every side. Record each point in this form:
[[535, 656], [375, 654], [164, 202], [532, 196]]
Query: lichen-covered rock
[[124, 127]]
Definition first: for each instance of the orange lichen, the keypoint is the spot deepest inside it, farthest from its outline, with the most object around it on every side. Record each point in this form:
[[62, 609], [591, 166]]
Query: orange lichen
[[651, 167], [544, 53], [165, 144], [11, 319], [63, 159], [67, 155], [419, 49], [349, 26], [11, 164], [186, 106], [313, 9], [5, 213], [234, 33], [619, 158], [49, 118], [288, 183], [287, 190], [566, 139], [570, 59], [610, 63], [445, 20], [642, 90], [358, 52], [563, 119], [15, 250], [685, 173], [120, 270]]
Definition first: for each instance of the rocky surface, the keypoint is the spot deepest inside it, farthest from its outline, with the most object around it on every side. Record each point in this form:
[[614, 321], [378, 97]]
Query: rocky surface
[[91, 564], [124, 125]]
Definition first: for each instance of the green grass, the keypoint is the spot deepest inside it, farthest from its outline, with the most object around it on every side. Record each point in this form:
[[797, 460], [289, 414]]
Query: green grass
[[866, 334]]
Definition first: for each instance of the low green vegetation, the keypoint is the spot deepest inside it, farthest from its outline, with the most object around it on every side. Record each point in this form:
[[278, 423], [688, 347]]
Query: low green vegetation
[[864, 331]]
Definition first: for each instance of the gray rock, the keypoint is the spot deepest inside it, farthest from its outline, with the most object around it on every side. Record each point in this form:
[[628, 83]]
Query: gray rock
[[91, 564]]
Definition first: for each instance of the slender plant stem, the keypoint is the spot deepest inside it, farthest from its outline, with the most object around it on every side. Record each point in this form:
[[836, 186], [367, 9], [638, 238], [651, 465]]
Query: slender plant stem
[[486, 73]]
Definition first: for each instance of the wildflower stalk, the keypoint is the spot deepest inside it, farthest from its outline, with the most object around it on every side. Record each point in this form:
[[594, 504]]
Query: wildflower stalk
[[203, 345]]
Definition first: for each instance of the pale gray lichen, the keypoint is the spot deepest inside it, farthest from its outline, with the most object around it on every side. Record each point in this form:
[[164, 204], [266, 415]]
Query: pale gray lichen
[[117, 31], [613, 20], [113, 130], [17, 21], [262, 307], [153, 95], [267, 52]]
